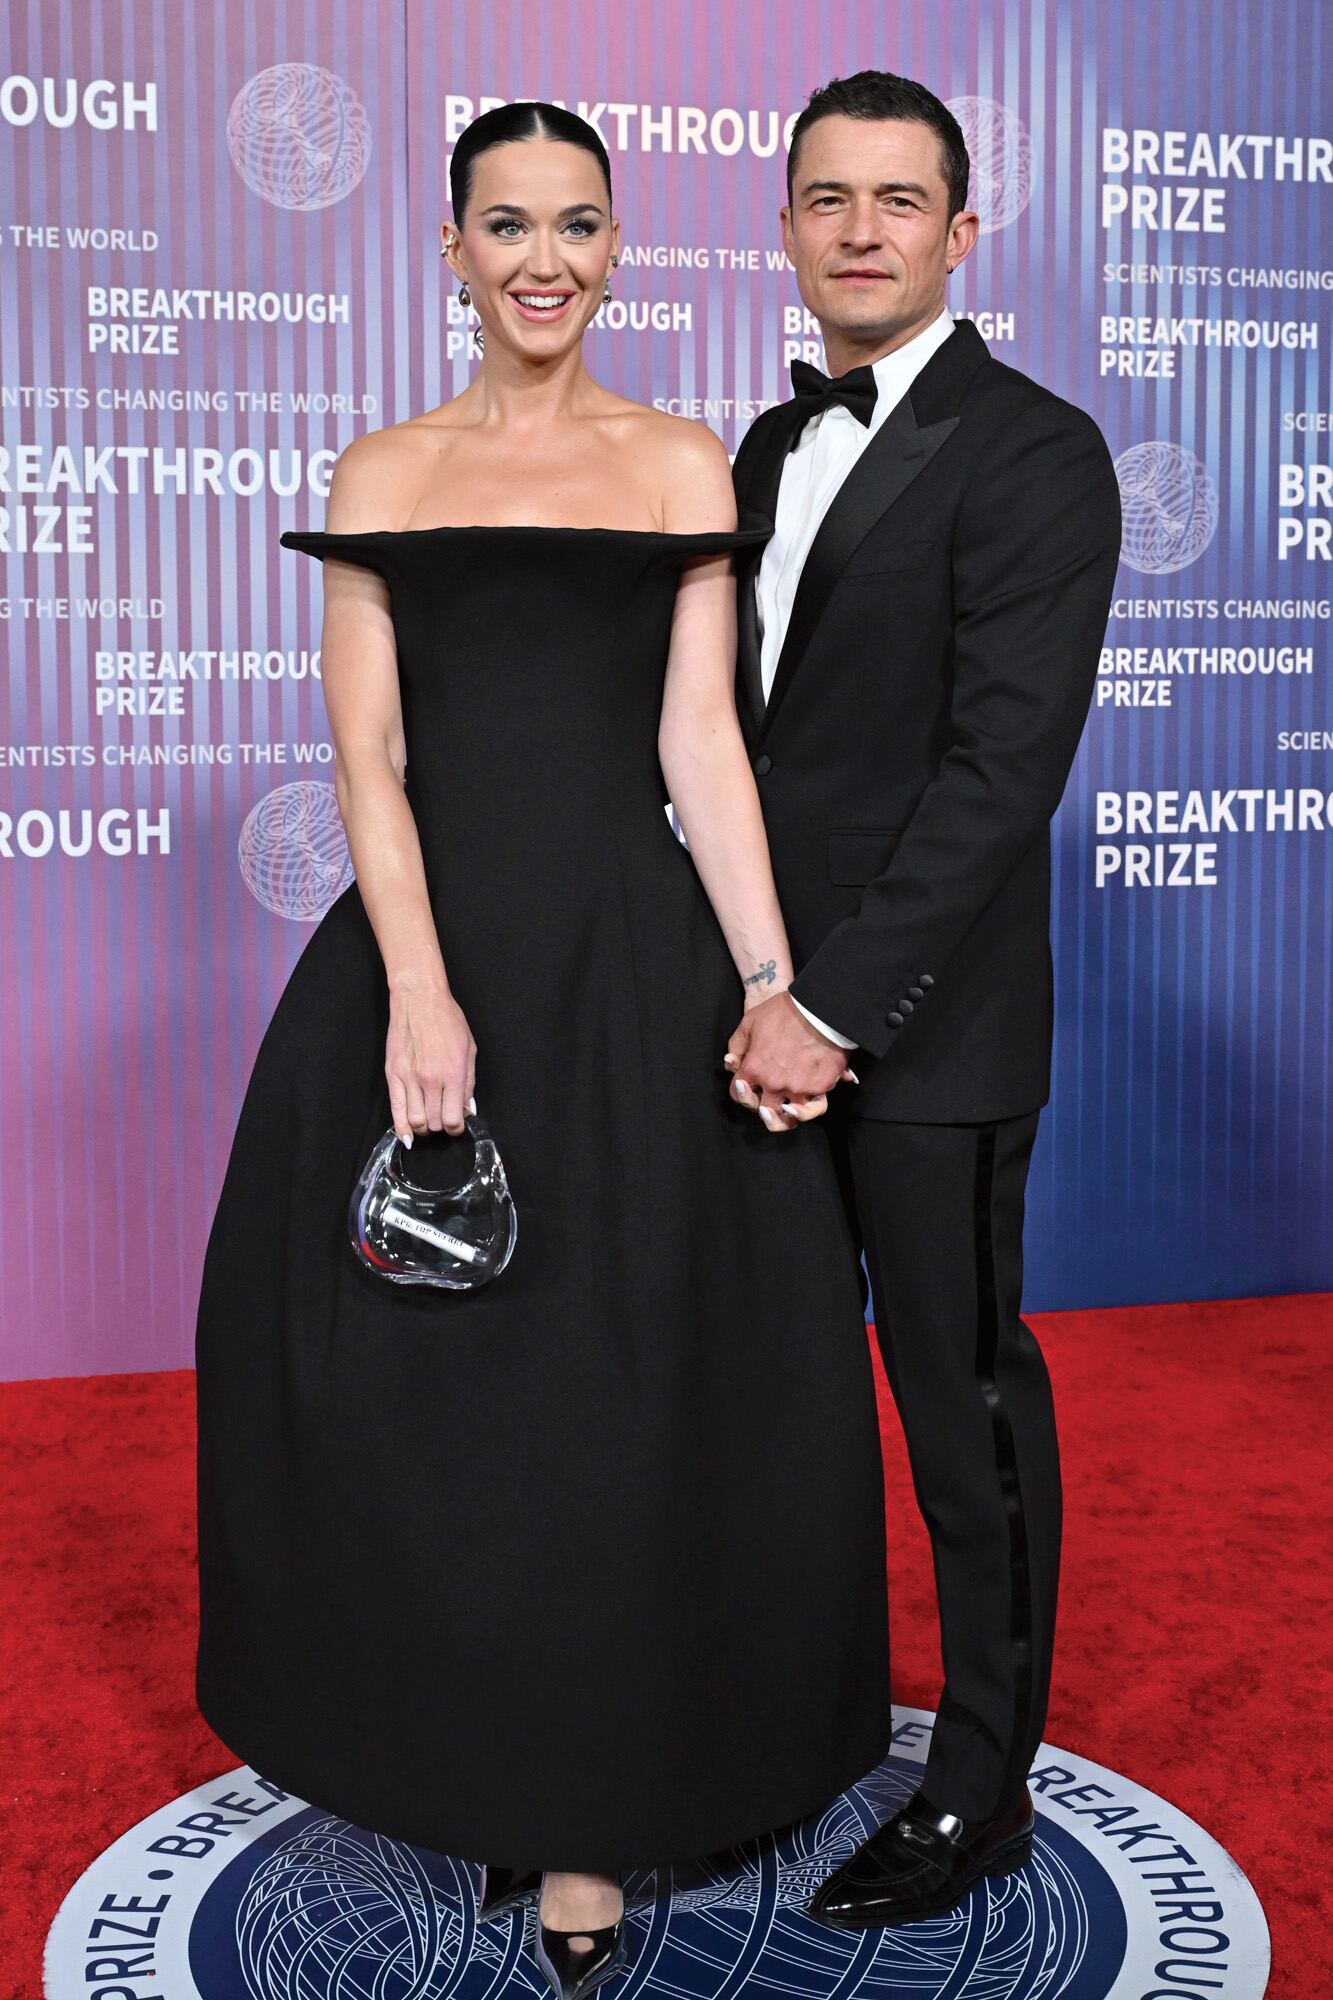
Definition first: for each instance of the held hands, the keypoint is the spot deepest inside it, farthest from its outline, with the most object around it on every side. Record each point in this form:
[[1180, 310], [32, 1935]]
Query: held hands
[[782, 1067], [430, 1060]]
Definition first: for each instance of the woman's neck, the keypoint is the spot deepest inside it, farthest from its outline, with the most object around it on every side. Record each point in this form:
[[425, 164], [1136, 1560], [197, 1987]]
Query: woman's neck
[[519, 394]]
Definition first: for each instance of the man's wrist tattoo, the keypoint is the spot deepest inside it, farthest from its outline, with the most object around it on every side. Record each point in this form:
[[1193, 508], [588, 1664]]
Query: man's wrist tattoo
[[766, 974]]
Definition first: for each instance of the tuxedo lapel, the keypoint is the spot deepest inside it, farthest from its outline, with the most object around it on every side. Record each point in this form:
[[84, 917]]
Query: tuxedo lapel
[[901, 449], [749, 679], [760, 492]]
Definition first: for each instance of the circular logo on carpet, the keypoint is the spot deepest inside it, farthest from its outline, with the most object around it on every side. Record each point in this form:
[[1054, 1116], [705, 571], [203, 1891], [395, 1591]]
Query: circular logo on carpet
[[238, 1891]]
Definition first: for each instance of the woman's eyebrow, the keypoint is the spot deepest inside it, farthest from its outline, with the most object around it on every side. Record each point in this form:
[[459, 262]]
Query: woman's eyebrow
[[513, 208]]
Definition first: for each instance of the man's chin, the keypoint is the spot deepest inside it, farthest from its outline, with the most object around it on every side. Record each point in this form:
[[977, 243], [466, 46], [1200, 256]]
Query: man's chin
[[865, 332], [862, 316]]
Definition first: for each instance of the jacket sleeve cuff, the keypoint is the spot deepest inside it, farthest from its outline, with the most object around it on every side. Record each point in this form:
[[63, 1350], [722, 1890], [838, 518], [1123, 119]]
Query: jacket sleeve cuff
[[823, 1026], [824, 994]]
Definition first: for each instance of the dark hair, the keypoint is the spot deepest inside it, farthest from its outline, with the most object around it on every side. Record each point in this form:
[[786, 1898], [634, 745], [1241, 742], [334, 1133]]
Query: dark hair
[[876, 93], [507, 122]]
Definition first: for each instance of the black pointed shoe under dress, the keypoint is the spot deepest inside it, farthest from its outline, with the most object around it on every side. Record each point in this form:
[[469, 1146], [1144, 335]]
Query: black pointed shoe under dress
[[573, 1973], [922, 1863], [504, 1889]]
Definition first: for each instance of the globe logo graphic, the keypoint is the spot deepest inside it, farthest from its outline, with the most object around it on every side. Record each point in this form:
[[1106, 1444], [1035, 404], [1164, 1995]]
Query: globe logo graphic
[[333, 1910], [336, 1911], [293, 851], [1000, 150], [1169, 506], [298, 136], [300, 1902]]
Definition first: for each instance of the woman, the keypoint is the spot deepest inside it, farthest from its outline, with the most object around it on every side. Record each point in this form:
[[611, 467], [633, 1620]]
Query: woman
[[583, 1569]]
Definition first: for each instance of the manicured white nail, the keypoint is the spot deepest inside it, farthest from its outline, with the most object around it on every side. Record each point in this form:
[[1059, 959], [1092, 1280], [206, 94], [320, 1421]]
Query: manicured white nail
[[768, 1114], [407, 1140], [790, 1109], [731, 1061], [851, 1076], [472, 1104], [742, 1087]]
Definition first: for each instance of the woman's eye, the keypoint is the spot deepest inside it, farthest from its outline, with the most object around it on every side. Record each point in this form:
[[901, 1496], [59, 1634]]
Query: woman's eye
[[584, 225]]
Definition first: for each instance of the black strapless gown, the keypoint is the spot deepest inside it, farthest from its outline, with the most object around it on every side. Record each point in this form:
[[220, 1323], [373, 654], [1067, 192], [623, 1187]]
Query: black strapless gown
[[584, 1569]]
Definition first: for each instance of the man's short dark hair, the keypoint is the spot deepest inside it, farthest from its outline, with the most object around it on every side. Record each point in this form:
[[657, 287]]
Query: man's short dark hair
[[875, 93]]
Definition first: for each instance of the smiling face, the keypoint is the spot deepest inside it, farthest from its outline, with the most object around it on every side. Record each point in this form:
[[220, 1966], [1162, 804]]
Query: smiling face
[[870, 234], [537, 228]]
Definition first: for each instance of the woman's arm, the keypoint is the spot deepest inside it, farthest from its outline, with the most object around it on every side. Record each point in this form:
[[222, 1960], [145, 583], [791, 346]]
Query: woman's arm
[[699, 739], [430, 1058], [703, 755]]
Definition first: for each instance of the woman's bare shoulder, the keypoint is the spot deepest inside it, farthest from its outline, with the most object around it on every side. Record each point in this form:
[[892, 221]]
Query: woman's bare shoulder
[[680, 461], [373, 474], [670, 435], [692, 471]]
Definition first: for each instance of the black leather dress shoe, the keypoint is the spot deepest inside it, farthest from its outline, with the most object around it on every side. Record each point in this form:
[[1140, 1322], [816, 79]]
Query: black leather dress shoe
[[922, 1863], [504, 1889]]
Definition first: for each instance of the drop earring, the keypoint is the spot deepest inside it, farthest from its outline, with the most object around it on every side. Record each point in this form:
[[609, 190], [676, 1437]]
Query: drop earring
[[465, 299]]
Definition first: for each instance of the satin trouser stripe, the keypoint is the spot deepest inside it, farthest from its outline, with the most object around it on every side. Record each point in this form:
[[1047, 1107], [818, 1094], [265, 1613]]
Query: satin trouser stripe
[[1006, 1462]]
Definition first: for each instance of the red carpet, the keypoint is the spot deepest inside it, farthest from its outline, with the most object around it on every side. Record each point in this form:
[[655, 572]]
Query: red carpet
[[1193, 1643]]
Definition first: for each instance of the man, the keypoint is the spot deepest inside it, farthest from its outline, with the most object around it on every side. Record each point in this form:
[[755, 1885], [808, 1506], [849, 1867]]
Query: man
[[919, 644]]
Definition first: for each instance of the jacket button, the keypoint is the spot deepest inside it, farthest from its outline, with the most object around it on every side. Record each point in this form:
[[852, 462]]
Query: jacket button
[[895, 1020], [763, 765], [916, 993], [925, 980], [906, 1006]]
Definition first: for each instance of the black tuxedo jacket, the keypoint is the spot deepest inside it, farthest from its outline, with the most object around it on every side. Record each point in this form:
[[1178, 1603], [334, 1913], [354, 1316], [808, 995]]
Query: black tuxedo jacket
[[933, 683]]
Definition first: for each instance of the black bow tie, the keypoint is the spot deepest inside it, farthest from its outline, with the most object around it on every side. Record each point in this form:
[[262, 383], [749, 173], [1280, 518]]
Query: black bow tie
[[856, 391]]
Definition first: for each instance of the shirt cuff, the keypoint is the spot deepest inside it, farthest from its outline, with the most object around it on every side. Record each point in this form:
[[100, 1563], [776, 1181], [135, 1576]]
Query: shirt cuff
[[822, 1026]]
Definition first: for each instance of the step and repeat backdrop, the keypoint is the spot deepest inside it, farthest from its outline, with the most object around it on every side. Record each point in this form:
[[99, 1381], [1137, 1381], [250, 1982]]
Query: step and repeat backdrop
[[219, 262]]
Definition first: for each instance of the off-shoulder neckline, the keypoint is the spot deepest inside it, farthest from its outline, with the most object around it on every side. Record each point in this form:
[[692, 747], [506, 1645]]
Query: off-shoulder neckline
[[522, 528]]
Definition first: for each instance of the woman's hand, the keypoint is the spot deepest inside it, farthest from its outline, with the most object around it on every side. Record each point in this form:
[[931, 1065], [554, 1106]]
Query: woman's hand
[[793, 1110], [780, 1065], [430, 1060]]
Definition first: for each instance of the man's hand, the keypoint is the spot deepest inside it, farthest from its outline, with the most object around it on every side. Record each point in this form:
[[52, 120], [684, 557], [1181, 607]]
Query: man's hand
[[782, 1067]]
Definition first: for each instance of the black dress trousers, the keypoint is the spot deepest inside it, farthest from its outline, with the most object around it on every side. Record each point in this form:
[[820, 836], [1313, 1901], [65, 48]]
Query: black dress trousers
[[938, 1210]]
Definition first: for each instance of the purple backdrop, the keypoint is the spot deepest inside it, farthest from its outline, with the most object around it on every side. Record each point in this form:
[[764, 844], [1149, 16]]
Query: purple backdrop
[[219, 262]]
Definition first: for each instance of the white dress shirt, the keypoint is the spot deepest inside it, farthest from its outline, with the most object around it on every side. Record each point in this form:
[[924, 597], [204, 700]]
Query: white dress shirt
[[828, 447]]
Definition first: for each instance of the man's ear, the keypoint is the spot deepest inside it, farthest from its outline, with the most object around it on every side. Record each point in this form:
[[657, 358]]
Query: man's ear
[[961, 237]]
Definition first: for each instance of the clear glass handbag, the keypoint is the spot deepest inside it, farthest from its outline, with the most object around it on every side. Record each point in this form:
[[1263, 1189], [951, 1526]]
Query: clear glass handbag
[[457, 1237]]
